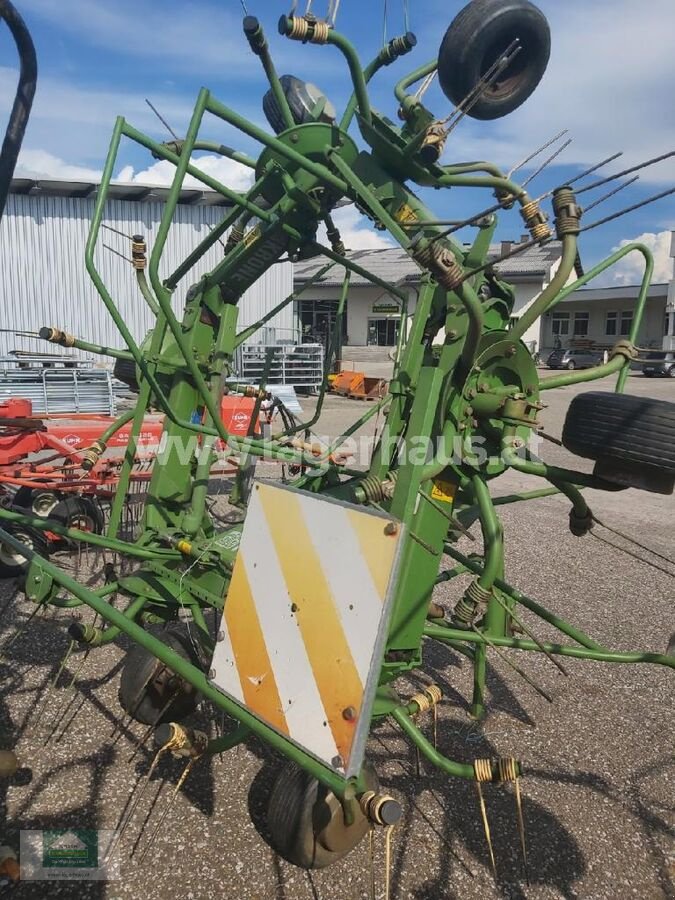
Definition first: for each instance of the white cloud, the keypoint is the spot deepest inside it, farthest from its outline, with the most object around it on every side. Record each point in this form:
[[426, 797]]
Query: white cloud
[[356, 231], [40, 164], [630, 269]]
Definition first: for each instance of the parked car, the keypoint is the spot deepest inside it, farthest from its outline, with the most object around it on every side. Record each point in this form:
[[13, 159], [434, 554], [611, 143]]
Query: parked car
[[574, 359], [660, 363]]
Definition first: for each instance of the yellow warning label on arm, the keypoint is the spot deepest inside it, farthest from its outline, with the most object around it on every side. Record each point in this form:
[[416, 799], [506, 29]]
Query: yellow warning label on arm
[[405, 213], [443, 490]]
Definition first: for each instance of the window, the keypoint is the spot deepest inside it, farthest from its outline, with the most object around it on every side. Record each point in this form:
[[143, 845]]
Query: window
[[383, 332], [610, 323], [581, 323], [560, 324], [626, 322]]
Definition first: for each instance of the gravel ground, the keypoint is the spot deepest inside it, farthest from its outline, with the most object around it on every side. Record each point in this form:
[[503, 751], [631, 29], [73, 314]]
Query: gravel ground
[[598, 792]]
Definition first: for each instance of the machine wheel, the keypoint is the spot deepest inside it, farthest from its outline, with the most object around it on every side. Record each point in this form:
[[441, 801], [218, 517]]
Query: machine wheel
[[150, 692], [632, 439], [79, 512], [23, 498], [476, 38], [12, 563], [305, 819], [302, 96], [43, 503], [125, 371]]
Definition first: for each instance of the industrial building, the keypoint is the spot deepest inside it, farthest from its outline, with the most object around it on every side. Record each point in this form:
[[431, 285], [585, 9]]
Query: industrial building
[[600, 315], [44, 280]]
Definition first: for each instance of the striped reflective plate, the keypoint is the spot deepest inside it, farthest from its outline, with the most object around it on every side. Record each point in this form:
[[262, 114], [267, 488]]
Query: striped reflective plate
[[306, 617]]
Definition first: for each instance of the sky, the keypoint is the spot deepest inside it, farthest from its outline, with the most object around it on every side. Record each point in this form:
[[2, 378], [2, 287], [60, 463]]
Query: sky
[[610, 82]]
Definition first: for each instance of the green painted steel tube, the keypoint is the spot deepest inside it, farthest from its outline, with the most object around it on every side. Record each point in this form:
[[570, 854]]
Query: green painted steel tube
[[449, 766], [526, 495], [611, 367], [384, 58], [497, 182], [228, 741], [493, 540], [222, 150], [576, 634], [103, 636], [358, 80], [88, 347], [146, 292], [618, 363], [319, 171], [402, 86], [256, 38], [440, 633], [551, 291], [554, 474], [86, 537], [186, 670], [115, 426]]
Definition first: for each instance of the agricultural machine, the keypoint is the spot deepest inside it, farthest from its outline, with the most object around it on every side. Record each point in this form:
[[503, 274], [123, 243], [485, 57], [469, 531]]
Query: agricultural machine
[[324, 591]]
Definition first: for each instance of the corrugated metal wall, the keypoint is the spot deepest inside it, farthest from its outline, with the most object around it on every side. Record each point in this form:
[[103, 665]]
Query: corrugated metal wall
[[43, 280]]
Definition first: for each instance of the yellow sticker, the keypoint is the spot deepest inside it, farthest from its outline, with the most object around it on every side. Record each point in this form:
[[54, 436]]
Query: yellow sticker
[[405, 213], [443, 490], [251, 236]]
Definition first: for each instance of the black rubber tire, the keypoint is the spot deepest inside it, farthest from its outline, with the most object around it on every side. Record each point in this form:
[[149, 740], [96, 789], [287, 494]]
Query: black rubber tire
[[141, 696], [571, 366], [297, 813], [633, 432], [648, 374], [301, 96], [671, 372], [474, 41], [32, 538], [125, 371], [23, 498], [72, 511]]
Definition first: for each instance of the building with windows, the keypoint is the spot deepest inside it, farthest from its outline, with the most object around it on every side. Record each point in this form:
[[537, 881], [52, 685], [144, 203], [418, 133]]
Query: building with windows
[[602, 316], [597, 316], [373, 315]]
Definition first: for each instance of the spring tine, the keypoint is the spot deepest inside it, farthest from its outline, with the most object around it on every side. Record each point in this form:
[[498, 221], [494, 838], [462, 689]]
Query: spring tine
[[371, 860], [163, 121], [126, 818], [486, 827], [117, 231], [547, 162], [528, 631], [629, 209], [491, 262], [616, 190], [521, 829], [53, 683], [387, 861], [116, 252], [536, 153], [643, 165], [514, 666], [169, 804]]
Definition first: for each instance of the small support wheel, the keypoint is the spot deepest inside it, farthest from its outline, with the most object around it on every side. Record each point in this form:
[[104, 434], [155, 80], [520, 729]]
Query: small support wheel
[[12, 562], [306, 820], [150, 692], [82, 513]]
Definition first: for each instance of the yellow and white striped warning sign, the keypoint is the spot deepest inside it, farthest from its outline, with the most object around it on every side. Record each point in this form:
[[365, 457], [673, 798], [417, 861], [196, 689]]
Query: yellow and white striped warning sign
[[305, 619]]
